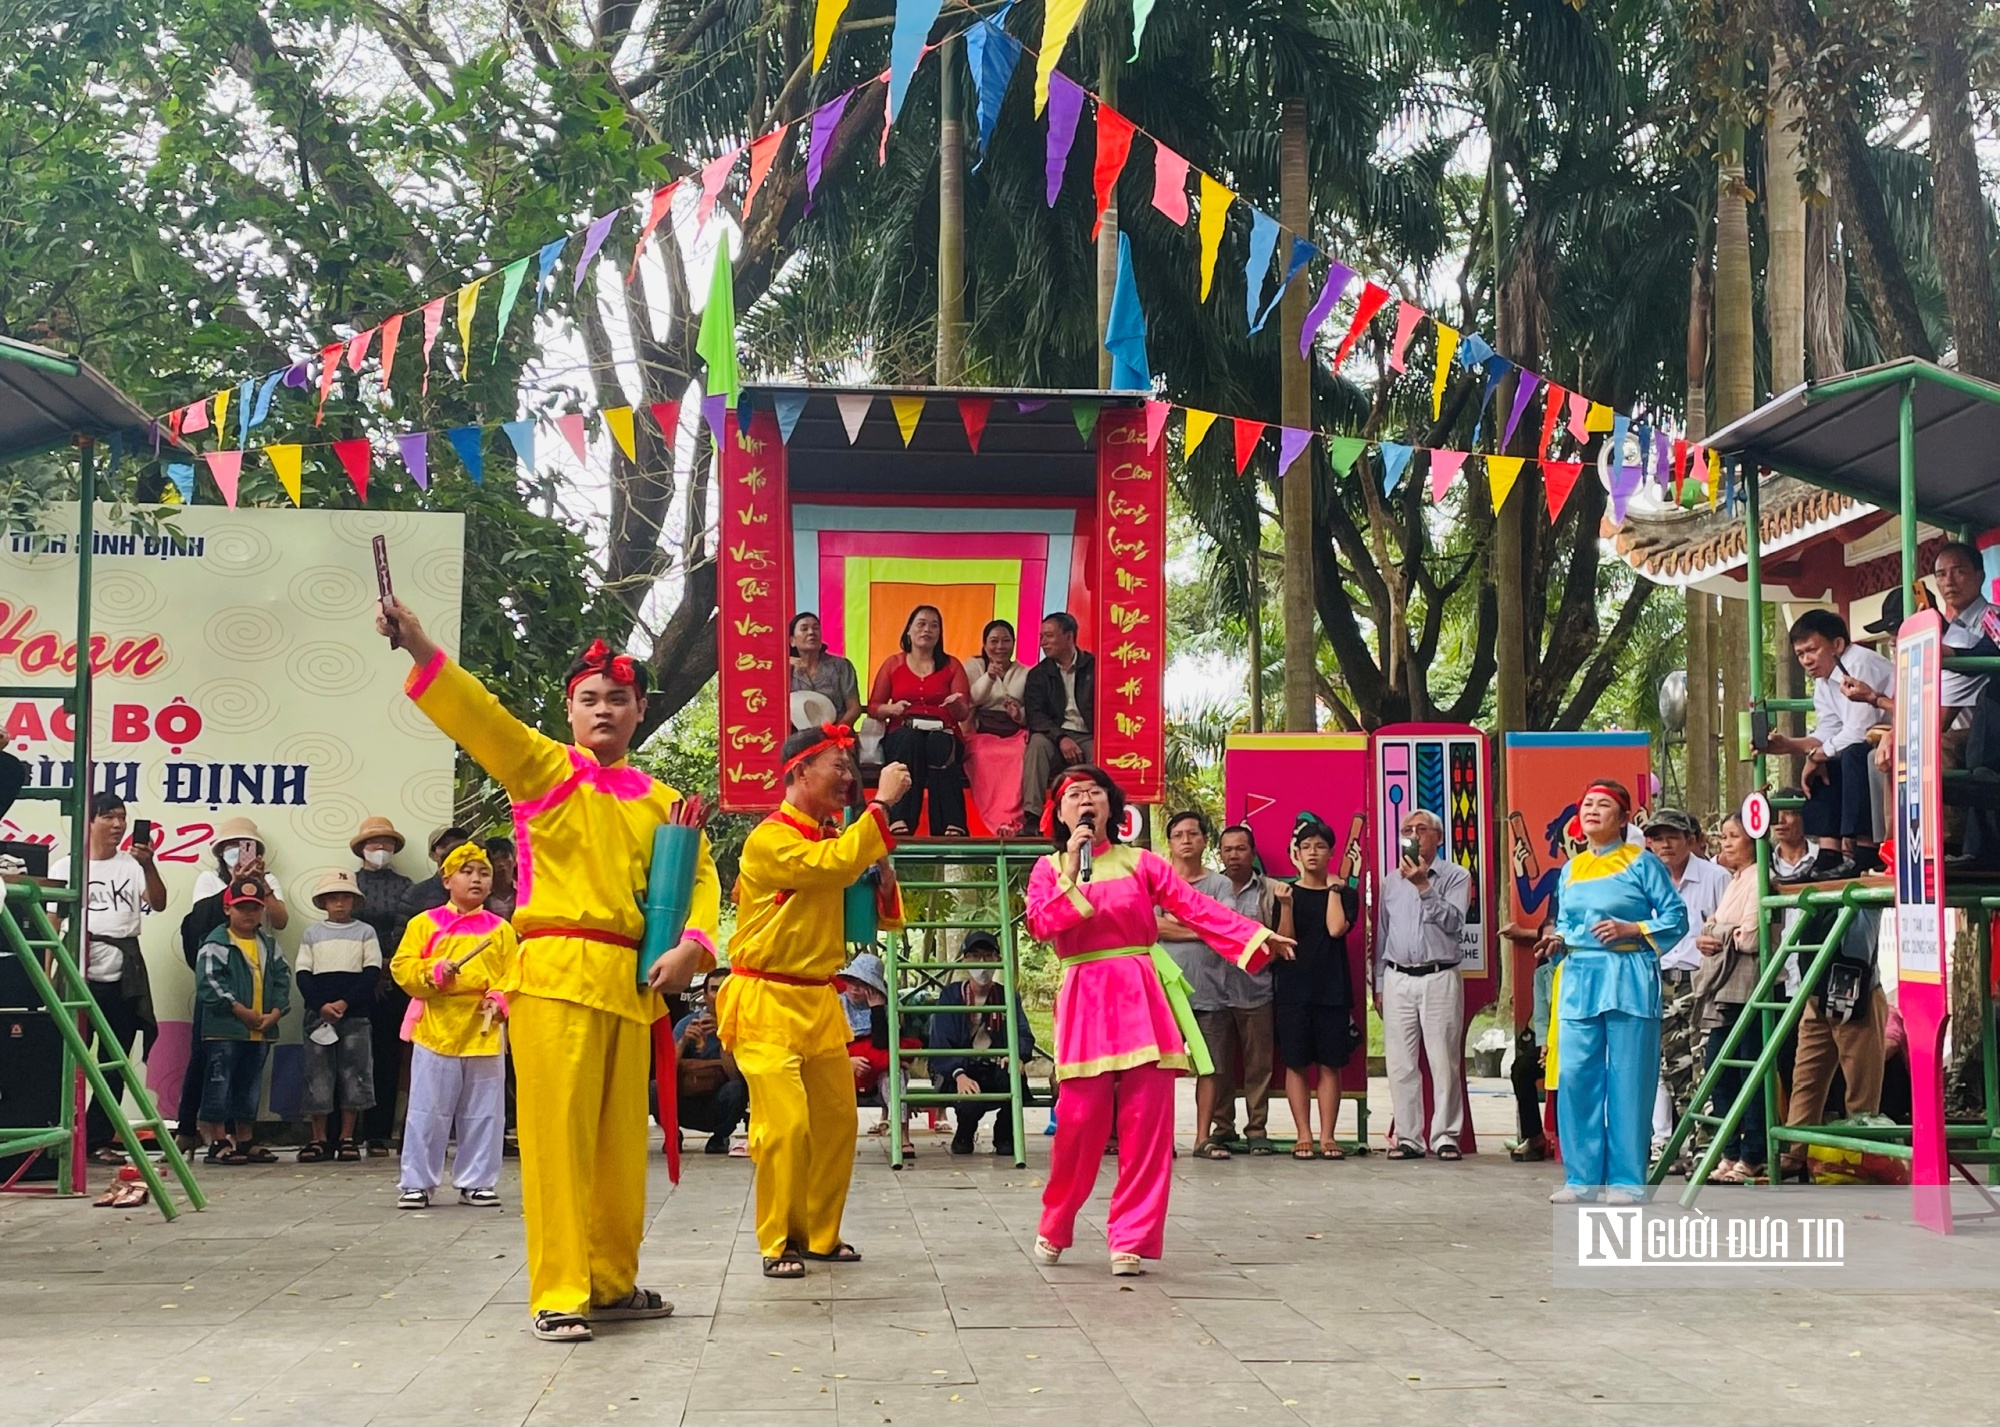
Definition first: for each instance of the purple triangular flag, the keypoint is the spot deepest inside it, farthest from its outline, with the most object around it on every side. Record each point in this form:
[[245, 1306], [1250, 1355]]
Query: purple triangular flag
[[714, 410], [414, 447], [825, 120], [1338, 276], [592, 241], [1291, 441], [1623, 485], [1065, 104], [1524, 392]]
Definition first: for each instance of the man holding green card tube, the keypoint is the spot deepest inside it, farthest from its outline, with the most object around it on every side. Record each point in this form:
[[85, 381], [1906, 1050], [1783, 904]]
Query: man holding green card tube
[[580, 1027]]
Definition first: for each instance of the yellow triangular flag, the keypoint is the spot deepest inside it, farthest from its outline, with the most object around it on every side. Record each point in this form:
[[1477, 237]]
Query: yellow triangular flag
[[468, 299], [221, 410], [1597, 418], [1198, 423], [1501, 473], [908, 409], [1058, 19], [1447, 345], [825, 20], [1215, 201], [285, 461], [618, 421], [1714, 478]]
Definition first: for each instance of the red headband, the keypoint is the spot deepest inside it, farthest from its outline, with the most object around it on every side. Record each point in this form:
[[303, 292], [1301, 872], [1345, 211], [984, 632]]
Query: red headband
[[1055, 797], [838, 735], [598, 659], [1617, 795]]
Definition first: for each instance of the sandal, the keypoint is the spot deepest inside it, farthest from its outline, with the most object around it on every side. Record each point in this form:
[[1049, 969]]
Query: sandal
[[562, 1327], [842, 1253], [785, 1265], [123, 1194], [1212, 1149], [1332, 1151], [1260, 1145], [315, 1152], [255, 1154], [1045, 1253], [1126, 1266], [347, 1152], [105, 1154], [1449, 1152], [216, 1150], [643, 1303], [1403, 1151], [1305, 1149], [1528, 1151]]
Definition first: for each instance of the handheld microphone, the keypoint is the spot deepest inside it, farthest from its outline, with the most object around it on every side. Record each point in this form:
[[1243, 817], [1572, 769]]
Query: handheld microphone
[[1088, 820]]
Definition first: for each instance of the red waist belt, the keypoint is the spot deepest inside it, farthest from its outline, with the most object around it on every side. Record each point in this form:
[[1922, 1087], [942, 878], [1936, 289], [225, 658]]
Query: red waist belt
[[582, 934], [780, 977]]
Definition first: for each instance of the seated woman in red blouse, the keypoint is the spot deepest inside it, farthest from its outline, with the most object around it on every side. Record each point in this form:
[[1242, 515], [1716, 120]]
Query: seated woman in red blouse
[[923, 697]]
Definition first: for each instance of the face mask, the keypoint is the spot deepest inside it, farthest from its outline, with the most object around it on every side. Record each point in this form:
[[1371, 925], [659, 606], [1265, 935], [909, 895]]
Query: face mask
[[231, 855], [376, 857], [982, 977]]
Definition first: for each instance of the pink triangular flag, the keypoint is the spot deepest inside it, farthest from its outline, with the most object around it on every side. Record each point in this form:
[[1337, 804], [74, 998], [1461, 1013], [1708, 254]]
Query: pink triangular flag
[[1408, 315], [1579, 413], [197, 414], [663, 201], [1445, 466], [1248, 434], [714, 174], [1156, 422], [571, 426], [357, 348], [972, 413], [1170, 173], [356, 455], [763, 153], [1366, 306], [227, 468], [392, 331], [329, 368], [433, 319], [853, 411]]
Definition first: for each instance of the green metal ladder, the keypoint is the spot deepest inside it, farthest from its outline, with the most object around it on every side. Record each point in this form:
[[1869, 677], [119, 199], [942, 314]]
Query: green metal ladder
[[994, 881]]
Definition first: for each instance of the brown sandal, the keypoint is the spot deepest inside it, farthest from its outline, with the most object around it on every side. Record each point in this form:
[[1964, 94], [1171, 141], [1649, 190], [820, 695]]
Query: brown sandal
[[785, 1265]]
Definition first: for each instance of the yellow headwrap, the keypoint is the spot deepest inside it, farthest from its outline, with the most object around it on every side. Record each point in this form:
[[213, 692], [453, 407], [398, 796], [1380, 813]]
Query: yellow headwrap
[[460, 856]]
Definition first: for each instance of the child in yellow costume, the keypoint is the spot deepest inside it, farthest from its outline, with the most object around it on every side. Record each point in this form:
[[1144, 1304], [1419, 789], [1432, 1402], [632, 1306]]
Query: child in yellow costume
[[779, 1014], [579, 1021]]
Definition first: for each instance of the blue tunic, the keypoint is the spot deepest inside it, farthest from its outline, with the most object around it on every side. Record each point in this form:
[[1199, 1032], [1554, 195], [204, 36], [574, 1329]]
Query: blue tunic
[[1627, 884]]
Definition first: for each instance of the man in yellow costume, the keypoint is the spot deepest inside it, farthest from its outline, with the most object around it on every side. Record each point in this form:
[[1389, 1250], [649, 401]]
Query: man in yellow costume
[[779, 1013], [579, 1022]]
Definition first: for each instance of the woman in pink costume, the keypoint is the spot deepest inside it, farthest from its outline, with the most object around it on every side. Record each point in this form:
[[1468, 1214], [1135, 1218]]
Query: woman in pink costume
[[1124, 1029]]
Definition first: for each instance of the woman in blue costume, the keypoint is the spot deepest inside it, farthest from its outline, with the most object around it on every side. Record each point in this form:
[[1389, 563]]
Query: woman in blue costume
[[1617, 910]]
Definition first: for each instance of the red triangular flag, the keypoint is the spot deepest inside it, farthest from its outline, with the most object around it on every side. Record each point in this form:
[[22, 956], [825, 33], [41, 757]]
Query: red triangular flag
[[972, 412], [1558, 480], [1680, 466], [1156, 422], [763, 153], [357, 348], [174, 420], [392, 329], [1114, 143], [1551, 414], [663, 200], [668, 415], [1372, 298], [1445, 466], [356, 455], [571, 426], [329, 368], [1248, 434], [227, 468]]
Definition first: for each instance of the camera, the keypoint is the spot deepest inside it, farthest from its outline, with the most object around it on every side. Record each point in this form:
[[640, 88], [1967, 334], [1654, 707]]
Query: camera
[[1412, 848]]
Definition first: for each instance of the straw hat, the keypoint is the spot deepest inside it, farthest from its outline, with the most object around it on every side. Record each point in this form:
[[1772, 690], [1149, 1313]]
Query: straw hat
[[332, 883], [372, 828], [236, 829]]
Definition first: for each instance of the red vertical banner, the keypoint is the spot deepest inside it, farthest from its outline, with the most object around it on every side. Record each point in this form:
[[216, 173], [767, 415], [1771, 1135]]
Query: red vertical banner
[[1131, 646], [751, 589]]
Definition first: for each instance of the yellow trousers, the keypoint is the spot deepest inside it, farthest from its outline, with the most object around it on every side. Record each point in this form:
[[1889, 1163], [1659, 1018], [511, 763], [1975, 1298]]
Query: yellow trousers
[[802, 1141], [580, 1105]]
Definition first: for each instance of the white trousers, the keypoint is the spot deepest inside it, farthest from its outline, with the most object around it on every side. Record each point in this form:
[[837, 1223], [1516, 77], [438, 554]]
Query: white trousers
[[469, 1091], [1423, 1021]]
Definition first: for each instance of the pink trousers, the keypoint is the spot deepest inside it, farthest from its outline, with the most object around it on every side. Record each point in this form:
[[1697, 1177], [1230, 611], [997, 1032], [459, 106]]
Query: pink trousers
[[1144, 1097]]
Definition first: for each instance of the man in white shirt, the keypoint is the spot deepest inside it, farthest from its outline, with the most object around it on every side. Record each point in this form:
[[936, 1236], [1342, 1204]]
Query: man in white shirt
[[1670, 836], [1839, 814], [122, 888]]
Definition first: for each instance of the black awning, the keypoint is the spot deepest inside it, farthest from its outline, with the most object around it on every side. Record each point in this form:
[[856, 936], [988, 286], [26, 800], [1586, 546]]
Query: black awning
[[48, 399]]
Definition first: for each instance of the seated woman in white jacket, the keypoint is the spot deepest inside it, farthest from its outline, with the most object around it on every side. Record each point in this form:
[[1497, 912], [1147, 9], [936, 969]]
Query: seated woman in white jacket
[[996, 736]]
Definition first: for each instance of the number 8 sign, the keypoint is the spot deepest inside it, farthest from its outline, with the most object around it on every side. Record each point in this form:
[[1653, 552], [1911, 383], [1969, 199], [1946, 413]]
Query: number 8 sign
[[1756, 816]]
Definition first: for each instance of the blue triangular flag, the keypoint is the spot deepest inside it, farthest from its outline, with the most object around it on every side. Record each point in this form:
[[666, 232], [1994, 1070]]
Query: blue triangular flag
[[1497, 368], [1643, 431], [1619, 424], [790, 406], [1263, 242], [1302, 253], [914, 19], [264, 394], [1472, 350], [992, 54], [522, 435], [181, 473], [545, 263], [1395, 460], [1125, 328], [466, 441], [243, 411]]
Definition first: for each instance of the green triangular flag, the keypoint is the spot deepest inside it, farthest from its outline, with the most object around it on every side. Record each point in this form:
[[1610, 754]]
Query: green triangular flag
[[1084, 411], [717, 340], [511, 278], [1141, 10], [1343, 451]]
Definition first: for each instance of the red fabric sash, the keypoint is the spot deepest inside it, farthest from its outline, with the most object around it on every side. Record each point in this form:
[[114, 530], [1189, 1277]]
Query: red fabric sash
[[780, 977]]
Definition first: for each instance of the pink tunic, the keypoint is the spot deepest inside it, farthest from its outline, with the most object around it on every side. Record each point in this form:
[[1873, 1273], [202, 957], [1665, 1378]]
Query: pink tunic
[[1113, 1014]]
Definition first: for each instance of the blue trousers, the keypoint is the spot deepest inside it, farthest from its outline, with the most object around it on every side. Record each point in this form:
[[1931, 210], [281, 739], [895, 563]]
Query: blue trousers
[[1610, 1074]]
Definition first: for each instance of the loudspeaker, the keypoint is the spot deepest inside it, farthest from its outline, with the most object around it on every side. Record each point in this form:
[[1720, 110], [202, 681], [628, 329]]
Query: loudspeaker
[[30, 1083]]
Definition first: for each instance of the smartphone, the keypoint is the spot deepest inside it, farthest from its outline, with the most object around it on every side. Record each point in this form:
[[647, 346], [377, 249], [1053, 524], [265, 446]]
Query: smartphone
[[142, 832], [1412, 849], [1760, 730], [385, 590]]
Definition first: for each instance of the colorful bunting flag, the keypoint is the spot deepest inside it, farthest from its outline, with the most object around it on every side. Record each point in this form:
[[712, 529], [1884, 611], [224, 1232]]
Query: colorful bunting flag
[[1338, 276], [414, 448], [570, 424], [1263, 242], [1395, 459], [1579, 408], [1558, 480], [992, 54], [181, 473], [1065, 104], [1142, 10], [1084, 411], [1343, 451], [329, 368], [1524, 392], [1552, 409], [826, 17], [1156, 422], [1215, 201], [545, 262], [1408, 315], [1170, 173], [1473, 350], [1714, 476], [714, 174], [356, 456], [1501, 473], [1248, 434], [285, 462], [1497, 368], [853, 411], [825, 120], [662, 204], [1114, 146], [667, 416], [1616, 446], [909, 410], [593, 239], [1370, 303], [227, 468], [912, 27], [1196, 429], [1125, 328], [392, 332], [763, 153], [433, 320], [972, 414], [1447, 343], [357, 349], [716, 341], [1301, 254], [1059, 17], [618, 421], [789, 407], [511, 278], [714, 411], [468, 303], [1680, 466], [221, 414], [270, 386], [466, 440], [521, 436], [1292, 440], [1445, 466], [1597, 418]]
